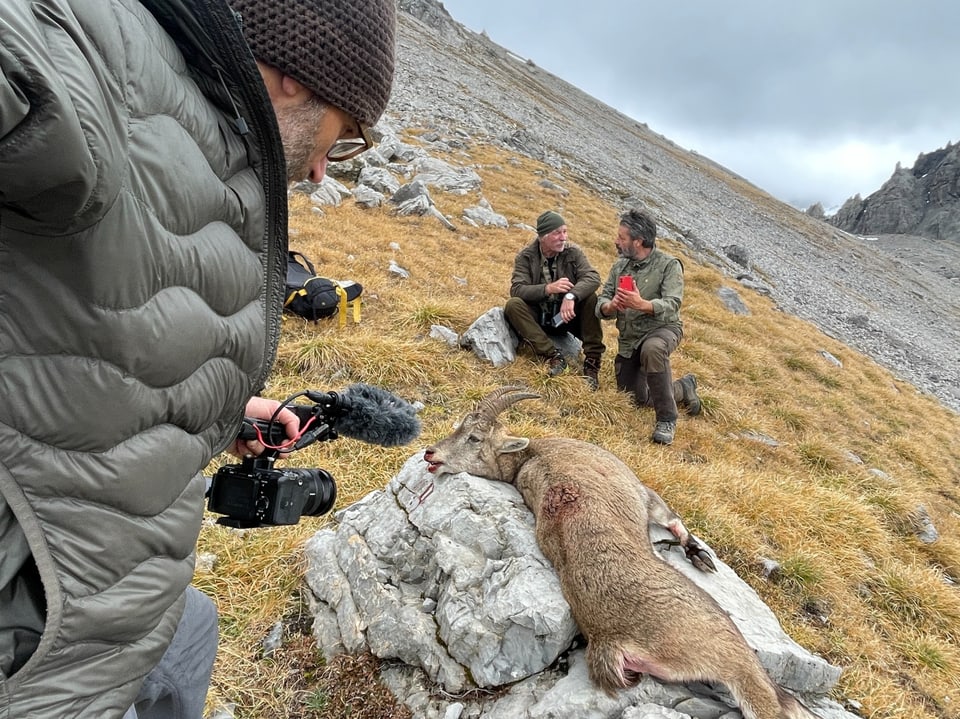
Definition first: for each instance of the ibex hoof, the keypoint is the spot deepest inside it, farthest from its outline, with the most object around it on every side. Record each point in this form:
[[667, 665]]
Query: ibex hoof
[[696, 553], [699, 556]]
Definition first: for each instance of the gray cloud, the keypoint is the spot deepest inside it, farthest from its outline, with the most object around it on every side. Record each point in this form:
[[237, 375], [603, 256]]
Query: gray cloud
[[813, 101]]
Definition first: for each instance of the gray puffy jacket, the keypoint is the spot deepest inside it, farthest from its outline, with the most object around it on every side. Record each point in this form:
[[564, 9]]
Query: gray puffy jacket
[[142, 239]]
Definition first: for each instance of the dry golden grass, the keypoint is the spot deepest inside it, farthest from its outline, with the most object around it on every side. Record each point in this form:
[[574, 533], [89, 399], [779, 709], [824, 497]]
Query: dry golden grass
[[856, 586]]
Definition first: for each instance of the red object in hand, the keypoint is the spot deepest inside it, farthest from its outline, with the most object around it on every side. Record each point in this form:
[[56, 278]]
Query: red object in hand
[[626, 283]]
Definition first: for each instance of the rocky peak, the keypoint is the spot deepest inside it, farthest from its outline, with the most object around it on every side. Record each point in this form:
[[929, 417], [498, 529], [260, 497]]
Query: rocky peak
[[430, 13], [923, 200]]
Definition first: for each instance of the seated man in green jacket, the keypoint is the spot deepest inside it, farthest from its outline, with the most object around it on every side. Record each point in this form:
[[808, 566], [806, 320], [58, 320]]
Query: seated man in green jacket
[[644, 291], [552, 292]]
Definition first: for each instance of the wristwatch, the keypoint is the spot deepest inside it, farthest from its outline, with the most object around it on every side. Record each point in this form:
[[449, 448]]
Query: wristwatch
[[570, 296]]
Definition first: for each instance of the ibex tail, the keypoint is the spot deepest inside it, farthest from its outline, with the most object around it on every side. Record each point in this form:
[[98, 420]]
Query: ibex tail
[[607, 666]]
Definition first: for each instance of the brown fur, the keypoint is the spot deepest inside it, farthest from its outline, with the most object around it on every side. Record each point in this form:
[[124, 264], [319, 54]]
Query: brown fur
[[639, 614]]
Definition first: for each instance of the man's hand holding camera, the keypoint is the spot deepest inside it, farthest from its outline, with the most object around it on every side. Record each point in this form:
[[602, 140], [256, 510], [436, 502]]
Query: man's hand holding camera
[[263, 408]]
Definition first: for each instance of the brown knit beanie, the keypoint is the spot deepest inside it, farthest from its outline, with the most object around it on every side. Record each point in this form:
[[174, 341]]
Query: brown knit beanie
[[342, 50], [548, 222]]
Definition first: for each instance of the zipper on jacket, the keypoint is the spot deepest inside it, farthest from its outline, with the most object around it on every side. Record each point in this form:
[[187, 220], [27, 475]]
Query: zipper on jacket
[[239, 123]]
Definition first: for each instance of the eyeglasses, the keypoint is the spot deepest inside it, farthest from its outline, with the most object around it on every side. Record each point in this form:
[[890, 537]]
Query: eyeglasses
[[350, 147]]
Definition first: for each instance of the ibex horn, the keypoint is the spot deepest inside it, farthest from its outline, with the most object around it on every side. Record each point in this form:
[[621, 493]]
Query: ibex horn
[[498, 400]]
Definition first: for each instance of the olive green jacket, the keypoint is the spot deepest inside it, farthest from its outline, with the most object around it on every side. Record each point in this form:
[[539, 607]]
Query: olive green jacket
[[142, 252], [529, 284], [659, 278]]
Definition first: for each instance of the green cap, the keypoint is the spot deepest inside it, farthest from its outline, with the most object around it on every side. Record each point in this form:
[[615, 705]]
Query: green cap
[[548, 222]]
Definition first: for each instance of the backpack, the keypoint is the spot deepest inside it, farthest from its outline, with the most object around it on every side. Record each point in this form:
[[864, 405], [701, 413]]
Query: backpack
[[311, 296]]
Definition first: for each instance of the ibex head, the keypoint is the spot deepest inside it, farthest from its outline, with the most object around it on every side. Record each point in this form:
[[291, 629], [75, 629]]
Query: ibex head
[[479, 439]]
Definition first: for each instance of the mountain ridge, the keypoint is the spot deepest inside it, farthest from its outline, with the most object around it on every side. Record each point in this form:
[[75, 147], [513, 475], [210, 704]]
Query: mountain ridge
[[902, 313], [923, 200]]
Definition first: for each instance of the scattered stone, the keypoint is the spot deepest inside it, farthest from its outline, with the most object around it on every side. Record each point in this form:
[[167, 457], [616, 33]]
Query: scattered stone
[[852, 457], [923, 526], [568, 345], [484, 216], [831, 359], [750, 282], [554, 187], [224, 711], [732, 301], [206, 561], [419, 205], [367, 197], [272, 642], [329, 192], [491, 338], [760, 437], [770, 569], [379, 179], [739, 254], [410, 191], [435, 172], [882, 476], [398, 271], [445, 334]]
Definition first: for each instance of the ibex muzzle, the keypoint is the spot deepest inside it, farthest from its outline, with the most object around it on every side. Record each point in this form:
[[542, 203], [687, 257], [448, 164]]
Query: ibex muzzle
[[639, 614]]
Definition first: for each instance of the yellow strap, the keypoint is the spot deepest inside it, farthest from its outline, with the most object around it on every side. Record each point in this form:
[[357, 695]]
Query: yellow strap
[[342, 295], [292, 295]]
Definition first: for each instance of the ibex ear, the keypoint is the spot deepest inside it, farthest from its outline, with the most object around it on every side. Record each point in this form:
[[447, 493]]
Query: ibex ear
[[513, 444]]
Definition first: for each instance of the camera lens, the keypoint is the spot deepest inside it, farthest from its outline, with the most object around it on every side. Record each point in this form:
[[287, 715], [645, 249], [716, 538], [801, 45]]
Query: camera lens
[[321, 491]]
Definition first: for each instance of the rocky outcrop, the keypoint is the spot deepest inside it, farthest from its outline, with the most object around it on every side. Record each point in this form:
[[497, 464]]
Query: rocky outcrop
[[442, 578], [923, 200]]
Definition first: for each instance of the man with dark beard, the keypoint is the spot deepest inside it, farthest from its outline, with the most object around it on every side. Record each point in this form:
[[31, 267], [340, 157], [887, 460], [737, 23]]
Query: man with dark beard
[[644, 291], [143, 237]]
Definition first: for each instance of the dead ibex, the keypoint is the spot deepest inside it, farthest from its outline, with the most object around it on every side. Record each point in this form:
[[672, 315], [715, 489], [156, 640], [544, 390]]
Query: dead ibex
[[639, 614]]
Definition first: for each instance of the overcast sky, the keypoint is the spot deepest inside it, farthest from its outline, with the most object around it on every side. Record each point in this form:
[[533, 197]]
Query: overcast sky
[[811, 101]]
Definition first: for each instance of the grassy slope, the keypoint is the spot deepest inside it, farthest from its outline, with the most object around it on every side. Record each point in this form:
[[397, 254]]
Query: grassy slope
[[856, 586]]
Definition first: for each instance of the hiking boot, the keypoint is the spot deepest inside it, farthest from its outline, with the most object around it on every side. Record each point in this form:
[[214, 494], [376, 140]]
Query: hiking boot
[[688, 395], [664, 432], [556, 364], [591, 371]]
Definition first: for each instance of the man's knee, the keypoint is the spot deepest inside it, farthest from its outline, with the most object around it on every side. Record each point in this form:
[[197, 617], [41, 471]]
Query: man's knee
[[515, 308], [655, 354], [520, 316]]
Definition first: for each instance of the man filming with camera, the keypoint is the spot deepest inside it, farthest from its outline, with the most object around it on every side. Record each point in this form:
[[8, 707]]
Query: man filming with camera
[[145, 152]]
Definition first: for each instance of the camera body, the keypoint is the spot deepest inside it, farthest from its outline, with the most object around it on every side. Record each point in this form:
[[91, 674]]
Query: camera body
[[254, 494]]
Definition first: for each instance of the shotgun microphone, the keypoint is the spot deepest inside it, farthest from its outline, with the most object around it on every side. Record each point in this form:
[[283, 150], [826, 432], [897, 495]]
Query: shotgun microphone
[[362, 411]]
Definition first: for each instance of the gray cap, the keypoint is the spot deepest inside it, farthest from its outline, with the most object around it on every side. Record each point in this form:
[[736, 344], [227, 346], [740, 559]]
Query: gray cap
[[342, 50]]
